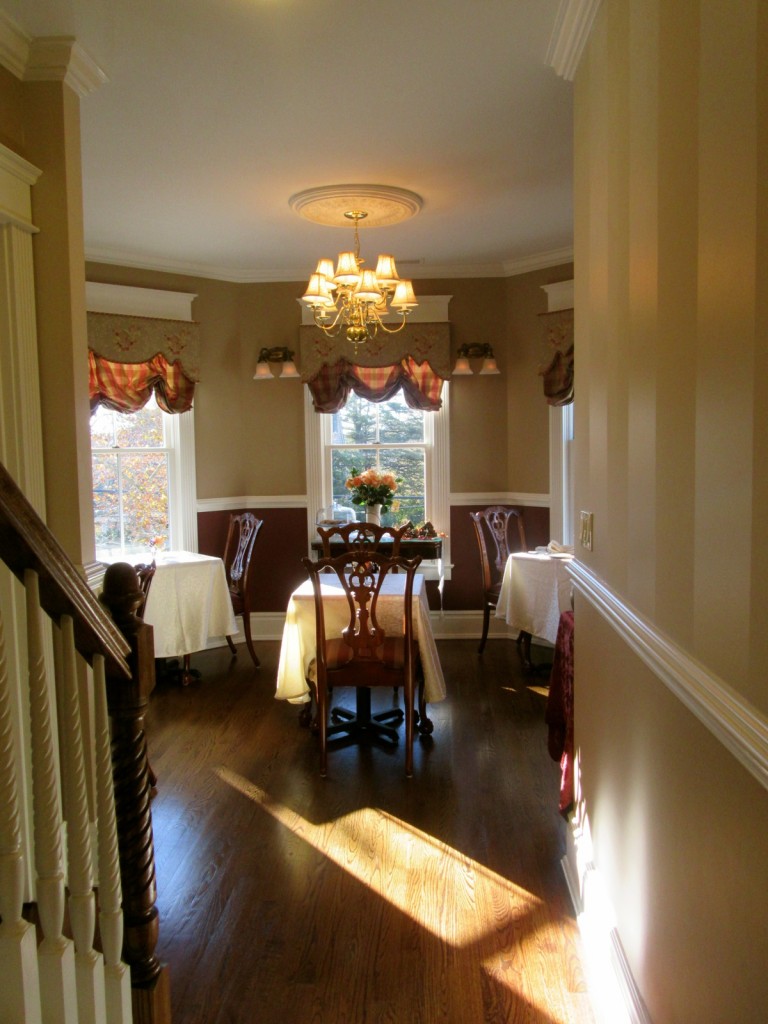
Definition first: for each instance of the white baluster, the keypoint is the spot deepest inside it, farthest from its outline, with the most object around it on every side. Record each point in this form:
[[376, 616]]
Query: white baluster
[[19, 981], [118, 979], [82, 901], [56, 953]]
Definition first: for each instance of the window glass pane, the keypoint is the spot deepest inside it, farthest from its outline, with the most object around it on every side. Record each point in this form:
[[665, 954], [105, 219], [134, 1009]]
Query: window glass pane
[[142, 429], [102, 428], [398, 423], [106, 503], [355, 423], [145, 500]]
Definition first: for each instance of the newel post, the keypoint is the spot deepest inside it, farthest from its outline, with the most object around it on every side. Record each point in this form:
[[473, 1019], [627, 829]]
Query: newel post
[[127, 703]]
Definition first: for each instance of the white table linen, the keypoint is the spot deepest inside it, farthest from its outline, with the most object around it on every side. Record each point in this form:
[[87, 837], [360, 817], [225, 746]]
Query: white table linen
[[188, 603], [535, 589], [299, 643]]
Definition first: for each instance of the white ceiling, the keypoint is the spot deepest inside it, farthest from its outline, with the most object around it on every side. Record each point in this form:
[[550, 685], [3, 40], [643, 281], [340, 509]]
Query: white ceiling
[[215, 112]]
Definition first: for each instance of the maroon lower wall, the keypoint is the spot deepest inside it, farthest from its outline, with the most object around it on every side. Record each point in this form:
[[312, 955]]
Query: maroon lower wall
[[276, 568], [465, 589]]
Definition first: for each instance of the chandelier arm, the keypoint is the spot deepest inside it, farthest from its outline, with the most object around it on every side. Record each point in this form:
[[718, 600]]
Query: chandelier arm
[[392, 330]]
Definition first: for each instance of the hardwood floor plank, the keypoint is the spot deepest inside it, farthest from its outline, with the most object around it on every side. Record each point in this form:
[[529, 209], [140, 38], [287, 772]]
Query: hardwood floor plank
[[364, 897]]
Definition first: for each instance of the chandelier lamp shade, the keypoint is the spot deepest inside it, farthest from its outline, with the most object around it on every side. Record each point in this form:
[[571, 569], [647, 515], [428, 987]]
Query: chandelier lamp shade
[[476, 351], [354, 299]]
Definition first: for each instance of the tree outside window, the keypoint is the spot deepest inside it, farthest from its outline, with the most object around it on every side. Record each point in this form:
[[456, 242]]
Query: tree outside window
[[387, 436], [131, 482]]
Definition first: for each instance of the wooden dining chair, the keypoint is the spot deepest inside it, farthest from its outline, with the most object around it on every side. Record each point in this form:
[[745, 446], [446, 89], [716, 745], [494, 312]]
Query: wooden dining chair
[[358, 537], [144, 571], [241, 537], [364, 655], [494, 527]]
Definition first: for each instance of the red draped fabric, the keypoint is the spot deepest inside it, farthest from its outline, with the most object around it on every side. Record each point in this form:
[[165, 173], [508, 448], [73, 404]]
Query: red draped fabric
[[420, 384], [127, 387], [559, 713]]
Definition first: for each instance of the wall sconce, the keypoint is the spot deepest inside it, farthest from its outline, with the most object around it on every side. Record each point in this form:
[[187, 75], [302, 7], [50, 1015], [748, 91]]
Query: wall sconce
[[280, 354], [467, 352]]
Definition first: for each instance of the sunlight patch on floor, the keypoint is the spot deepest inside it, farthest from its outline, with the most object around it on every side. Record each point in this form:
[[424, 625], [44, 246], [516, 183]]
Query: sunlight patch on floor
[[409, 868]]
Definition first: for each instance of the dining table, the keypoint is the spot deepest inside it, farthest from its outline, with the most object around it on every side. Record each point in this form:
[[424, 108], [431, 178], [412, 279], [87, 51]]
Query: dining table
[[299, 643], [188, 603], [535, 589]]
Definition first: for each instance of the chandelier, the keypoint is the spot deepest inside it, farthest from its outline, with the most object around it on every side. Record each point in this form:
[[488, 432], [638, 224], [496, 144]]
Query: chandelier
[[350, 298]]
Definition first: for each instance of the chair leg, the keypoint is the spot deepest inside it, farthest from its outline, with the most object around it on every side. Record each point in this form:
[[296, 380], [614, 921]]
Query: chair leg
[[232, 647], [248, 639], [486, 625]]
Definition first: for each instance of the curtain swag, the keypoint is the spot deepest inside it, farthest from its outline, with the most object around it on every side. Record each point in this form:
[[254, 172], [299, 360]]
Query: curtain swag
[[421, 386], [558, 373], [127, 387]]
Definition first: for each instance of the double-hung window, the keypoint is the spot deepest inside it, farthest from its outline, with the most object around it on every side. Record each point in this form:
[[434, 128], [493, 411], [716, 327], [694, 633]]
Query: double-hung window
[[388, 436]]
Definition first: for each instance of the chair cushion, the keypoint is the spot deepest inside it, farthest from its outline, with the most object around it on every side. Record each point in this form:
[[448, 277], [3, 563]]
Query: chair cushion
[[391, 653]]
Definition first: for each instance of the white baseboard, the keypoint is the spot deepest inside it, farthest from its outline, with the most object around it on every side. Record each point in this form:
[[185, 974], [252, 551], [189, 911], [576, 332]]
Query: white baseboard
[[614, 994]]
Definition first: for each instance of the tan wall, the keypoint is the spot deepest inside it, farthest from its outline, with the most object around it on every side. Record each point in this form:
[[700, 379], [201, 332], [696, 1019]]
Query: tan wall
[[671, 437], [250, 435]]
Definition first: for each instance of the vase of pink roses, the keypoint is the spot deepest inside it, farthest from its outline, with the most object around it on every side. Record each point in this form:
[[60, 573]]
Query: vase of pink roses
[[374, 489]]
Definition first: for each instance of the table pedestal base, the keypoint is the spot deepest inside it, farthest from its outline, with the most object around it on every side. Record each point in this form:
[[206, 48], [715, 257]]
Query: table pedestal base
[[354, 726], [524, 650]]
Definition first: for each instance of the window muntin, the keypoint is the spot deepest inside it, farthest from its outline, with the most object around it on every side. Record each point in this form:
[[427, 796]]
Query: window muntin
[[385, 436], [131, 466]]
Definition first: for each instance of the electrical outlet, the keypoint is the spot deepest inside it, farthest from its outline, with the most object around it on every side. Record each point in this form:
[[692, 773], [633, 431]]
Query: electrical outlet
[[585, 532]]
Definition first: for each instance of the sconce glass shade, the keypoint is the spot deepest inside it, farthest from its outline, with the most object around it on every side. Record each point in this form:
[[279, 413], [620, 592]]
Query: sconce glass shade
[[289, 369], [263, 372], [489, 366], [462, 367]]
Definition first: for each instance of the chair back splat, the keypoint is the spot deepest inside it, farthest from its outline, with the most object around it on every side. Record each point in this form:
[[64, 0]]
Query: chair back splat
[[494, 528], [357, 538], [241, 537], [365, 653]]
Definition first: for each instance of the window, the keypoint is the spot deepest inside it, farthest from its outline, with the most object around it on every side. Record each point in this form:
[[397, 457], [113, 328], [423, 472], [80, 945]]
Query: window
[[410, 443], [385, 436], [139, 490]]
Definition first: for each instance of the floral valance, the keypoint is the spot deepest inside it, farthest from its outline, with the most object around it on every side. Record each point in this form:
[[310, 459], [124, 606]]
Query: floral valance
[[136, 339], [558, 372], [424, 343]]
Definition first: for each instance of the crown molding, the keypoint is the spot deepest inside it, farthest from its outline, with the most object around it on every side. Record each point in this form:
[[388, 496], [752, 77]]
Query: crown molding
[[539, 261], [14, 46], [569, 36], [62, 59], [116, 257]]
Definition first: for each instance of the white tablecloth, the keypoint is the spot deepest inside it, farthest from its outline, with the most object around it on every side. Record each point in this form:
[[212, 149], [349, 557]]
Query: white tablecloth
[[299, 641], [535, 589], [188, 602]]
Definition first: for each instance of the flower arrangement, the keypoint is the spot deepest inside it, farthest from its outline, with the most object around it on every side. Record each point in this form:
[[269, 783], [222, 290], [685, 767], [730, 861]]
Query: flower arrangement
[[372, 487]]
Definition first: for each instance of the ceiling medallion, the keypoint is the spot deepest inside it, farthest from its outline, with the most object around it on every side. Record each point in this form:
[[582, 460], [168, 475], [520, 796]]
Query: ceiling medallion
[[352, 299]]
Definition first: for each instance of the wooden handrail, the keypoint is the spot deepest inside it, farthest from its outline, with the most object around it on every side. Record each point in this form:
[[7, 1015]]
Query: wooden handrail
[[27, 543]]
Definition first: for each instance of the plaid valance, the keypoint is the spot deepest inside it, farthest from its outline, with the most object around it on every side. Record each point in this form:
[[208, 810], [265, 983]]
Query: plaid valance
[[331, 385], [558, 373], [127, 387]]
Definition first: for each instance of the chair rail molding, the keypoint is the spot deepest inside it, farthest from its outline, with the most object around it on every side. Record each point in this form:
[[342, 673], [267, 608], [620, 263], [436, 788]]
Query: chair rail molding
[[732, 719]]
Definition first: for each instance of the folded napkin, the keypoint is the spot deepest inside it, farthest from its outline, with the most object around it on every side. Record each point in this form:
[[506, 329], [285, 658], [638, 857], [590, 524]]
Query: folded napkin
[[555, 548]]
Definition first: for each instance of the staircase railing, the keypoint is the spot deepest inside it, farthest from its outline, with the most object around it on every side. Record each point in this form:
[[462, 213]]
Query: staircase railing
[[78, 924]]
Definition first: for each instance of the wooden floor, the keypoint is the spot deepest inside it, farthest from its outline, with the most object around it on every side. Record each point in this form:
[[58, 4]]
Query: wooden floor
[[365, 897]]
